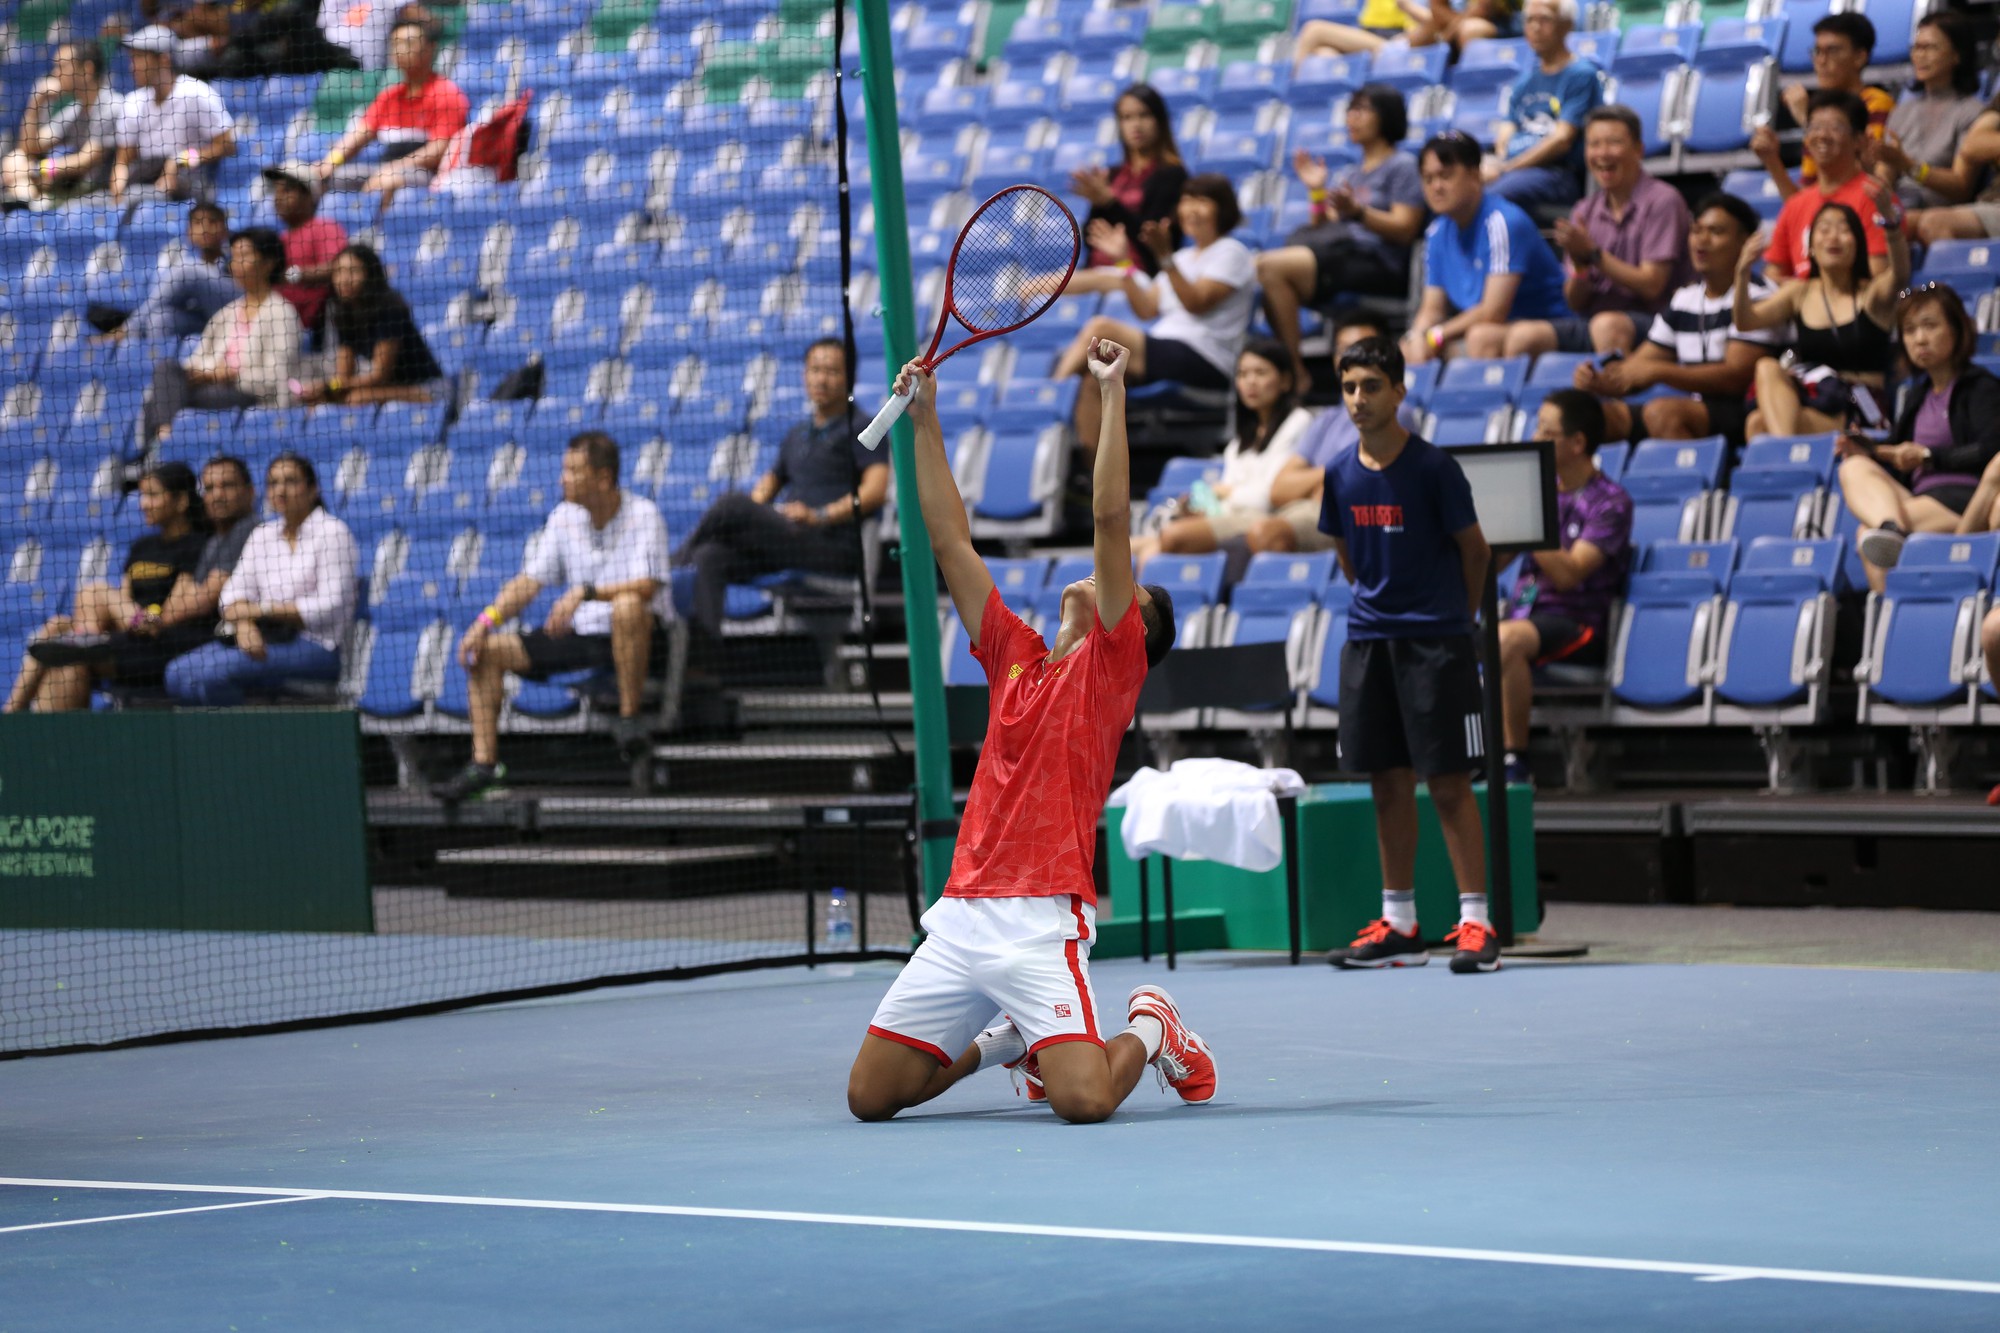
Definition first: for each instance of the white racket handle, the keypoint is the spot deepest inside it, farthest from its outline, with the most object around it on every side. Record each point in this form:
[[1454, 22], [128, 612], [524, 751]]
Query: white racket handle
[[898, 404]]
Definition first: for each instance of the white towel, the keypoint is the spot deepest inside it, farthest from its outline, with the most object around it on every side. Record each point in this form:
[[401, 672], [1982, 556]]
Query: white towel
[[1207, 810]]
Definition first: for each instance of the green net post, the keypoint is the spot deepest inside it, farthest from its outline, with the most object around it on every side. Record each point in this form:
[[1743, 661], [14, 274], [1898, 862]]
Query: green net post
[[892, 248]]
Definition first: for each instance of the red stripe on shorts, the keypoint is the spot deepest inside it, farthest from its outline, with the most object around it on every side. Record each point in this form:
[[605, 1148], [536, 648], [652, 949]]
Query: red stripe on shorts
[[1076, 968], [912, 1043]]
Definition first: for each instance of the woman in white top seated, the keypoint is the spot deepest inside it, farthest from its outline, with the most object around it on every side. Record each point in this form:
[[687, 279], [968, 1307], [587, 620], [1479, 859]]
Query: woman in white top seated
[[1198, 306], [291, 600], [249, 353], [1269, 425]]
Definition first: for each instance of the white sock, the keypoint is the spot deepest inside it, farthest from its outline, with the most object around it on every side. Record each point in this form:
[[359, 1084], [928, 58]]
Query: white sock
[[1472, 907], [1000, 1046], [1399, 908], [1150, 1032]]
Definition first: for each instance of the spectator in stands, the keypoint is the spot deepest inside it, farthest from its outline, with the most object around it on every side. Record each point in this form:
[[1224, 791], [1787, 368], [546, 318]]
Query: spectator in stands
[[1485, 264], [1919, 151], [1359, 237], [187, 293], [1842, 47], [1401, 516], [255, 39], [1384, 21], [1947, 433], [1269, 424], [1538, 150], [414, 120], [135, 653], [606, 547], [1199, 305], [290, 601], [1692, 346], [1626, 245], [249, 353], [803, 513], [1835, 127], [370, 320], [311, 241], [1977, 153], [158, 570], [1560, 605], [64, 151], [172, 129], [1840, 357], [1146, 187], [1301, 481]]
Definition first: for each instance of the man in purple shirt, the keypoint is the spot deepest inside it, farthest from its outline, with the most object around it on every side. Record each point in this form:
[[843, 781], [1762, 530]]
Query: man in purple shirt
[[1297, 489], [1626, 246], [1562, 599]]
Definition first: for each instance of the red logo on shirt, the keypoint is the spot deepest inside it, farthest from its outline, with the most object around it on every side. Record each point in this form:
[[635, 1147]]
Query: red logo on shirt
[[1377, 516], [1062, 1010]]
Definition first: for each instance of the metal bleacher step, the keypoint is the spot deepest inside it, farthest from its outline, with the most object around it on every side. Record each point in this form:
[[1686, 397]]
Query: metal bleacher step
[[791, 708], [828, 747], [543, 857], [540, 870]]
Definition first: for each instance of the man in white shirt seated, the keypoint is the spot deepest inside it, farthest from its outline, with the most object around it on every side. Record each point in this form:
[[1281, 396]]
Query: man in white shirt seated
[[173, 129], [608, 548]]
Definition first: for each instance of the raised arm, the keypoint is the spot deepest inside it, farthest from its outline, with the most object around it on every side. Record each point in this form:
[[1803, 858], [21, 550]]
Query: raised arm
[[1750, 315], [1894, 276], [1111, 486], [965, 574]]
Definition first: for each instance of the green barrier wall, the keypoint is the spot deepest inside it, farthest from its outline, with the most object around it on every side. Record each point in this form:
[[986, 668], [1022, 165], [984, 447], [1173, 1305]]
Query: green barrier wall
[[244, 820], [1340, 875]]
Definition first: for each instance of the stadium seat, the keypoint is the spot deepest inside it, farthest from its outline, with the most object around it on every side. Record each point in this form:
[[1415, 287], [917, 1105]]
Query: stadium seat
[[1652, 97], [1670, 482], [1409, 69], [1494, 63], [1774, 649], [1468, 384], [1654, 48], [1923, 627], [1195, 584], [1945, 261], [1036, 37], [1323, 670], [1179, 475], [1754, 186], [1105, 32], [1019, 581], [1895, 23], [1666, 631], [1320, 80], [1723, 103], [1012, 481], [1779, 488], [1795, 54], [1246, 84], [1734, 43]]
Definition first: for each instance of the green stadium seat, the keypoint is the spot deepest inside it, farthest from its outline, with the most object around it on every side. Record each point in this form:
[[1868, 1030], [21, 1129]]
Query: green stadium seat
[[1175, 28], [343, 92]]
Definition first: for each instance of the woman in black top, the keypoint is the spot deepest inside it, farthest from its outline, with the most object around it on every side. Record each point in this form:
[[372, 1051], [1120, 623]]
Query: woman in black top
[[1947, 433], [370, 320], [57, 673], [1146, 187]]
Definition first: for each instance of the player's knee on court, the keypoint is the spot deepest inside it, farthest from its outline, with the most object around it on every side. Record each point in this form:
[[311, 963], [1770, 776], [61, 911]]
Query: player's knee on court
[[1079, 1106]]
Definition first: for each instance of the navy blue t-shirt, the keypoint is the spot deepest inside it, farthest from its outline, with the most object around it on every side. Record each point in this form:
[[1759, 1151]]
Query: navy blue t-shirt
[[1398, 523]]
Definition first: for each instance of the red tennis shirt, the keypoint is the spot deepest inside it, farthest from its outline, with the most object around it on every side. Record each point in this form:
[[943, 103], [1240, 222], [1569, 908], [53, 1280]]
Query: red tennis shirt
[[436, 108], [1052, 734]]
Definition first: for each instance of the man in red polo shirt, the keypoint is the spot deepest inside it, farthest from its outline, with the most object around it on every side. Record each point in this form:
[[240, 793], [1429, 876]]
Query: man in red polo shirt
[[1014, 927], [311, 241], [413, 120], [1836, 124]]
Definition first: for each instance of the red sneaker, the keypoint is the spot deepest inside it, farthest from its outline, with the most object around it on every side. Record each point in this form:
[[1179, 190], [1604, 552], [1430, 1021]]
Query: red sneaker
[[1027, 1072], [1185, 1063]]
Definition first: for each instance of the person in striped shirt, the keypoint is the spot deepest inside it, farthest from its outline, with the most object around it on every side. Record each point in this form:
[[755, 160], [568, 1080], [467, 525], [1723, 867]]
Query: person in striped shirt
[[1693, 346]]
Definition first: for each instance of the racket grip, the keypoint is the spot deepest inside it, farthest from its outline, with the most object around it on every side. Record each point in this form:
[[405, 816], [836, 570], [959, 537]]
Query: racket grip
[[898, 404]]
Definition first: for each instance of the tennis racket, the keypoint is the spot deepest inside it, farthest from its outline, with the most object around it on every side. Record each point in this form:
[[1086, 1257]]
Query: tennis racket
[[1021, 234]]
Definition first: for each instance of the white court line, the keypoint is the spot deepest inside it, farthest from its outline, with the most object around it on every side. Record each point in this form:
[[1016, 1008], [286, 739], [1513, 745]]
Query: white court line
[[1704, 1272], [165, 1212]]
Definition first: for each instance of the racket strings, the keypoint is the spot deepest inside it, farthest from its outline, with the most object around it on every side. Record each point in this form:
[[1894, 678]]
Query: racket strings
[[1019, 236]]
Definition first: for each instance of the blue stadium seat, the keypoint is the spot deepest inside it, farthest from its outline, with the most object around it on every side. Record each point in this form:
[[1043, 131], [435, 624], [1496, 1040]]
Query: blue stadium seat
[[1722, 105], [1895, 22], [1179, 475], [1922, 630], [1665, 637], [1946, 261], [1458, 428], [1184, 88], [1420, 382], [1779, 488], [1019, 581], [1795, 56], [1250, 83], [1323, 674], [1733, 43], [1612, 457], [1104, 32], [1409, 69], [1670, 482], [1193, 581], [1655, 48], [1275, 588], [1033, 401], [949, 109], [1011, 485], [1321, 79], [1036, 37], [1023, 101], [1776, 625], [1236, 155], [1754, 186], [963, 406], [1469, 384], [1067, 570], [390, 687], [1646, 94], [1552, 371], [1494, 63]]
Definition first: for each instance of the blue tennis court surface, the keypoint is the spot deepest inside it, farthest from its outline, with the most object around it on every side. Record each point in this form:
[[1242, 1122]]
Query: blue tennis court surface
[[1557, 1146]]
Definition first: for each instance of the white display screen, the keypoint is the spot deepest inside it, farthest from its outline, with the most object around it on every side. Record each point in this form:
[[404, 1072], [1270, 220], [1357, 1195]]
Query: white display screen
[[1514, 495]]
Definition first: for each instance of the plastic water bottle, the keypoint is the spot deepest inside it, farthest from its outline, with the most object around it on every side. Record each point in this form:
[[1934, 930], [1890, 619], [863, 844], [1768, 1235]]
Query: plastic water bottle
[[839, 931]]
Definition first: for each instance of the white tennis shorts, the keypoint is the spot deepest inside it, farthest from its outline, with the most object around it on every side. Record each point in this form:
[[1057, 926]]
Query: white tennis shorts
[[1027, 957]]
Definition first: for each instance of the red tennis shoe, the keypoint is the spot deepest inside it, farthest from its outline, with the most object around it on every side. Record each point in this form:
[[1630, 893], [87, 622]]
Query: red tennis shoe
[[1184, 1062], [1027, 1072]]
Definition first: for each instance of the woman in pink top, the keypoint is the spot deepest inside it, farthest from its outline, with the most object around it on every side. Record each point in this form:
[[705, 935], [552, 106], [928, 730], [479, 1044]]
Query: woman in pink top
[[249, 353]]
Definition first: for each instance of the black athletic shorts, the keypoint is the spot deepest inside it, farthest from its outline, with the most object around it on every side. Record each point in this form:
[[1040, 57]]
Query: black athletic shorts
[[559, 654], [1566, 641], [1344, 266], [1176, 361], [1727, 417], [1410, 703]]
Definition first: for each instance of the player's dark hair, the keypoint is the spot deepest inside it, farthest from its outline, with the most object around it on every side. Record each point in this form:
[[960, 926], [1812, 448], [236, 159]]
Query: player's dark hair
[[1839, 99], [1581, 414], [1216, 188], [1391, 111], [1453, 148], [1856, 28], [600, 451], [1149, 97], [176, 478], [242, 469], [1158, 618], [1374, 354], [1251, 434], [1745, 216]]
